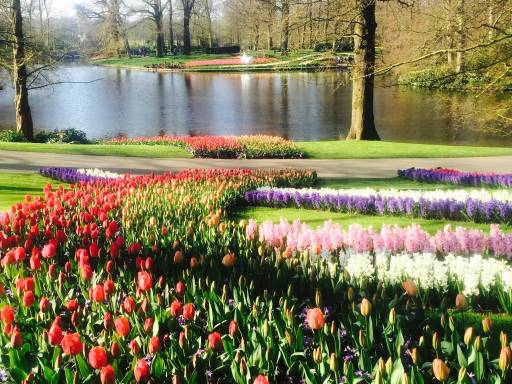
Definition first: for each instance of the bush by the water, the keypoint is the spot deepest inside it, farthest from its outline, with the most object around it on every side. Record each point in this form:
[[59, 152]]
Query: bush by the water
[[69, 135], [11, 136]]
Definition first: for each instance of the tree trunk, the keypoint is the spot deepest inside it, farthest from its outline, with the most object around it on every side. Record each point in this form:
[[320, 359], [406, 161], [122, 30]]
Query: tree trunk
[[171, 30], [285, 25], [310, 24], [461, 38], [186, 28], [363, 125], [23, 113], [160, 42]]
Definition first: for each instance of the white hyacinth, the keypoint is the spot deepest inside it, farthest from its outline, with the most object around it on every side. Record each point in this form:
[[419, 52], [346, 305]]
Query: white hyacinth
[[472, 275], [95, 172], [437, 194]]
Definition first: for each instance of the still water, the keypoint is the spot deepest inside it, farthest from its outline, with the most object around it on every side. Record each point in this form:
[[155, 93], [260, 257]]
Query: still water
[[300, 106]]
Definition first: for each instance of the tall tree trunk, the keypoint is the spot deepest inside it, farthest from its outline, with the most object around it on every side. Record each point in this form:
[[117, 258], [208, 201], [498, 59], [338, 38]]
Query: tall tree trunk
[[285, 25], [23, 113], [363, 125], [160, 42], [171, 30], [461, 37], [310, 23], [186, 27]]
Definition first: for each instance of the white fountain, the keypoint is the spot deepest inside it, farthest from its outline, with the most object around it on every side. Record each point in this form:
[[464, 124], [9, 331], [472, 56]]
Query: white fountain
[[246, 59]]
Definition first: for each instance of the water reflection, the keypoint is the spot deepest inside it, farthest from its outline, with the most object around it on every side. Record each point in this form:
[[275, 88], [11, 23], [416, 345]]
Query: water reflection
[[301, 106]]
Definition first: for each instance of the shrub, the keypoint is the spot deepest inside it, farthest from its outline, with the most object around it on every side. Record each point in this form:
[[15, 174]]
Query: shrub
[[12, 136], [69, 135]]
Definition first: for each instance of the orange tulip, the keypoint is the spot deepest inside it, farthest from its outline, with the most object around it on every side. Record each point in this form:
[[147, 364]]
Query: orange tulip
[[315, 318]]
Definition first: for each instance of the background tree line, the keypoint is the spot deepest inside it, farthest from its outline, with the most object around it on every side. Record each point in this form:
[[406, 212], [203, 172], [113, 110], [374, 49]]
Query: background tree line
[[432, 43]]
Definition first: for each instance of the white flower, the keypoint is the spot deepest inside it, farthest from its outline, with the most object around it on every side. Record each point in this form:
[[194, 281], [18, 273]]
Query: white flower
[[95, 172]]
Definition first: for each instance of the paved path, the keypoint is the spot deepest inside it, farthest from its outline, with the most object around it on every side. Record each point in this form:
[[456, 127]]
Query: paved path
[[32, 161]]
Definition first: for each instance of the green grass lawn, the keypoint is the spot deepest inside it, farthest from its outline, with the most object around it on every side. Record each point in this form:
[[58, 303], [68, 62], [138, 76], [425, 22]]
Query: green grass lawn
[[342, 149], [295, 59], [153, 151], [384, 183], [314, 150], [14, 187]]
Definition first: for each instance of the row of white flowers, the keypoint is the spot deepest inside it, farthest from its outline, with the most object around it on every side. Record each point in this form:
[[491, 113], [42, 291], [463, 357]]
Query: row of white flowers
[[96, 172], [473, 275], [437, 194]]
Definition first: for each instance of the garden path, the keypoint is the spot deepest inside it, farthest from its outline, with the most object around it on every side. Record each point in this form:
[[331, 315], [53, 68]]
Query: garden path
[[31, 161]]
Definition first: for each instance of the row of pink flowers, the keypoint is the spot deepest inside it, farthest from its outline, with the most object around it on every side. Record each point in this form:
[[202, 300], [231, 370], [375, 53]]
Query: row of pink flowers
[[298, 236]]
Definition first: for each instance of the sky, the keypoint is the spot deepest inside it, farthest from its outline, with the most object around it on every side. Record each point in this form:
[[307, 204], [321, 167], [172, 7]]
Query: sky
[[63, 7]]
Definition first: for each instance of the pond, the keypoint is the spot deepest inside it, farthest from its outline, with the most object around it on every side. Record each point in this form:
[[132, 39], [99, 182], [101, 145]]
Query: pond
[[301, 105]]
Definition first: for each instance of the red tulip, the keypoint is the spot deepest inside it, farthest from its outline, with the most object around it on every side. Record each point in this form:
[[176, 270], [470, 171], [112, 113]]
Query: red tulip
[[20, 254], [180, 288], [98, 293], [134, 347], [29, 284], [315, 318], [233, 328], [35, 262], [189, 311], [261, 380], [122, 326], [44, 304], [144, 281], [141, 371], [49, 251], [215, 342], [97, 357], [94, 250], [71, 344], [148, 325], [28, 299], [55, 334], [154, 345], [176, 308], [71, 305], [129, 305], [108, 322], [115, 350], [16, 338], [86, 272], [7, 314], [109, 286], [107, 375]]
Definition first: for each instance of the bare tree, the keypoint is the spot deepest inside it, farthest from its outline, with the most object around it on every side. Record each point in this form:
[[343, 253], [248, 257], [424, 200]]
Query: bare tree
[[111, 15], [188, 6], [24, 122], [154, 11]]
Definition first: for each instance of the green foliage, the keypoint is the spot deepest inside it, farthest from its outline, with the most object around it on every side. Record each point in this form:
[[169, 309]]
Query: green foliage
[[445, 78], [69, 135], [12, 136]]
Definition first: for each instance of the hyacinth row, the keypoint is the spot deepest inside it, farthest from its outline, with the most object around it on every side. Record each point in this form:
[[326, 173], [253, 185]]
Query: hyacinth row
[[453, 176], [332, 239], [396, 254], [477, 206], [145, 278], [73, 175], [223, 147]]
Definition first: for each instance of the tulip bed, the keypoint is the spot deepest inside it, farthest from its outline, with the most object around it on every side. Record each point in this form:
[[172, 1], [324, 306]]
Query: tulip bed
[[144, 278], [223, 147]]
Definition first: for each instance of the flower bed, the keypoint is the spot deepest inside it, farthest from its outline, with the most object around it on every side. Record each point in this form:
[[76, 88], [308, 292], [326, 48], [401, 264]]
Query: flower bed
[[224, 147], [331, 239], [144, 278], [480, 206], [453, 176], [73, 175]]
